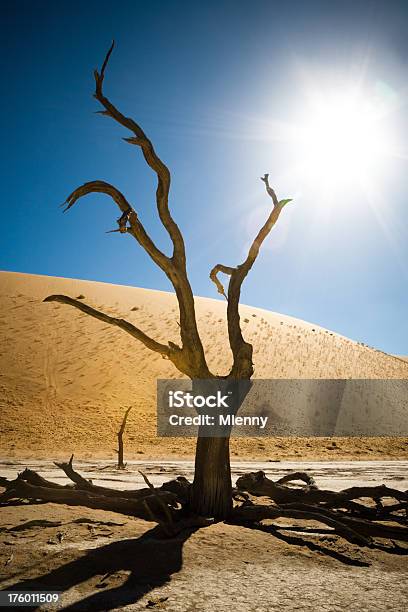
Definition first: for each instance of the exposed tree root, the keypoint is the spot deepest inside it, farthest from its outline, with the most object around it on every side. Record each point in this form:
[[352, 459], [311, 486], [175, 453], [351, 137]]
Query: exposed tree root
[[169, 505], [259, 485], [142, 508], [359, 531], [357, 522], [257, 513]]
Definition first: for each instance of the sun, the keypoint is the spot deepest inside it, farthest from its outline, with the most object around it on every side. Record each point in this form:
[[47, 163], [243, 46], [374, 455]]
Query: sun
[[341, 139]]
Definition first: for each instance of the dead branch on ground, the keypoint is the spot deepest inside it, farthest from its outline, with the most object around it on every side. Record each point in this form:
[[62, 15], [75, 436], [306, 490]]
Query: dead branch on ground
[[360, 523]]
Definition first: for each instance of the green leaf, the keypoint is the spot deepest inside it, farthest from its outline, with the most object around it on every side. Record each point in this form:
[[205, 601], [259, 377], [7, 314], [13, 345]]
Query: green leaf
[[284, 202]]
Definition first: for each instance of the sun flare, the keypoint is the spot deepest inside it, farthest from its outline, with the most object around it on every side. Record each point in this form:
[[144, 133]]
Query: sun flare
[[341, 139]]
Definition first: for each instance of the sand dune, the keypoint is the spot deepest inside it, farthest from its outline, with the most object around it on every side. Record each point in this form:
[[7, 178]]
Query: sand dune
[[65, 379]]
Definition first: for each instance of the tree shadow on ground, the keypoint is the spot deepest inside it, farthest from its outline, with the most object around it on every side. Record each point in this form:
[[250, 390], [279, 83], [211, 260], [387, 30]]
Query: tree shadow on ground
[[148, 560], [313, 546], [316, 546]]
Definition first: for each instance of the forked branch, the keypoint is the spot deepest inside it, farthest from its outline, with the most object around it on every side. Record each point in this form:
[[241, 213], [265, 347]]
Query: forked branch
[[153, 160], [136, 228], [241, 350], [190, 358], [192, 348]]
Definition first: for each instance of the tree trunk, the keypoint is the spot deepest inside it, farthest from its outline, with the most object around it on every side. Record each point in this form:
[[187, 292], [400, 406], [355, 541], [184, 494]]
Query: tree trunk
[[212, 488], [121, 463]]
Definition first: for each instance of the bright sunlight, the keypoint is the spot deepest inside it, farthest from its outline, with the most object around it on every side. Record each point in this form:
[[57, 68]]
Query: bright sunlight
[[342, 140]]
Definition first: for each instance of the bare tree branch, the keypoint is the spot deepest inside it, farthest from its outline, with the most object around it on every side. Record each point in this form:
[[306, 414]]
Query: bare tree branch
[[136, 228], [153, 160], [190, 358], [192, 349], [304, 476], [123, 425], [121, 463], [170, 505], [216, 281], [241, 350], [79, 497], [266, 228], [269, 190], [180, 357], [256, 483], [121, 323], [259, 513]]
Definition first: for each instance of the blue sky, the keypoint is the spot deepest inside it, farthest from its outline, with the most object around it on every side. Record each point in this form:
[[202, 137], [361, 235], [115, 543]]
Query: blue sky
[[221, 88]]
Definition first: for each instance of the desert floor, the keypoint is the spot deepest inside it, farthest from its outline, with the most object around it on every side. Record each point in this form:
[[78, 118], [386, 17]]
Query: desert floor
[[106, 561], [65, 382]]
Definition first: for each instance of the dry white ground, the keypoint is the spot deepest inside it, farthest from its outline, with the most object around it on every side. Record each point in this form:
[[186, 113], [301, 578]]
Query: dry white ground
[[106, 561]]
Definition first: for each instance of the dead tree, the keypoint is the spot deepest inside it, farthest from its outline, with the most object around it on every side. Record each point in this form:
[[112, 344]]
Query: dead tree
[[121, 464], [361, 515], [211, 494]]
